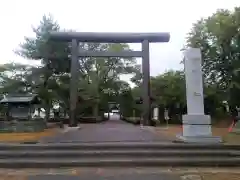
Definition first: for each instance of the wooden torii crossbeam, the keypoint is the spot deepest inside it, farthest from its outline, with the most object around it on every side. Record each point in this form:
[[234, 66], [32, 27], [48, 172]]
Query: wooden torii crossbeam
[[143, 38]]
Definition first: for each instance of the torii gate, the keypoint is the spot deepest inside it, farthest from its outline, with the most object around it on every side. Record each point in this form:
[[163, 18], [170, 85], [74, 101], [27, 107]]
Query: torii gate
[[144, 38]]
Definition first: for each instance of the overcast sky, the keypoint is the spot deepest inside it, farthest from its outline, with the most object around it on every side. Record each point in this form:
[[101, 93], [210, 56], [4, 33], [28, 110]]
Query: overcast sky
[[174, 16]]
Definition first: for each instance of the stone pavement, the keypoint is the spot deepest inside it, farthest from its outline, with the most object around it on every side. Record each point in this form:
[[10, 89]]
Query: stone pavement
[[92, 174], [113, 130], [104, 177]]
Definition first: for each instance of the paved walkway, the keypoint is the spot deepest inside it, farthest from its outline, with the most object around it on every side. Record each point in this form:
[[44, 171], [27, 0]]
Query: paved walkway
[[104, 177], [113, 130]]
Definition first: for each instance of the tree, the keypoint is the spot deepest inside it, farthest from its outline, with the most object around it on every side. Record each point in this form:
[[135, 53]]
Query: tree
[[53, 57], [169, 88], [13, 78], [218, 38], [168, 91]]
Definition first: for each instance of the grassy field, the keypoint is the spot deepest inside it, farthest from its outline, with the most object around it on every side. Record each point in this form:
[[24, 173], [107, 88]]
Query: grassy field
[[25, 137]]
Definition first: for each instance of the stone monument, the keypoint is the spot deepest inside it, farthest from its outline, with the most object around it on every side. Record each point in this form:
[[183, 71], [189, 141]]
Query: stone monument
[[196, 125]]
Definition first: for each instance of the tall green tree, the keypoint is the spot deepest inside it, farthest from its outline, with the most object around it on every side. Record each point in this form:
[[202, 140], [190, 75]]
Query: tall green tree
[[53, 56], [13, 78], [169, 88], [218, 37]]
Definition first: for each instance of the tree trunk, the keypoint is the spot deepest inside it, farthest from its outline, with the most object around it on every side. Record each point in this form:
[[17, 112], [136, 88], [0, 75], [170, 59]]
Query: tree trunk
[[95, 110], [64, 113], [39, 111], [47, 112], [45, 85]]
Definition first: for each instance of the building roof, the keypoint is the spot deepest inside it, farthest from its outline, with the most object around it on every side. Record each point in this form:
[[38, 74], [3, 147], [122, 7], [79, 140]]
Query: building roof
[[19, 98]]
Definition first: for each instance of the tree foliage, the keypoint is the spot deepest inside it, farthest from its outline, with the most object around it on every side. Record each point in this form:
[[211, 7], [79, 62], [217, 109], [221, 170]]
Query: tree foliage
[[169, 88], [218, 36]]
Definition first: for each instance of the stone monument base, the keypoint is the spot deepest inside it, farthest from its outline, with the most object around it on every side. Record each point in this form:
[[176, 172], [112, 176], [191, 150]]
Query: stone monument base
[[197, 129], [199, 139]]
